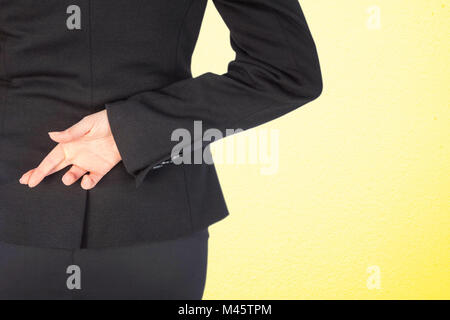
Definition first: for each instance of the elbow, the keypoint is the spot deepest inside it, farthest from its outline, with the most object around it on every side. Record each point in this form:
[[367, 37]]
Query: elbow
[[316, 87], [306, 89], [311, 82]]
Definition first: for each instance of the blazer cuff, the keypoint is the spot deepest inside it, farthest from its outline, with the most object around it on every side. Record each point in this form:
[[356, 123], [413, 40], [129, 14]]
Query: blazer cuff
[[134, 153]]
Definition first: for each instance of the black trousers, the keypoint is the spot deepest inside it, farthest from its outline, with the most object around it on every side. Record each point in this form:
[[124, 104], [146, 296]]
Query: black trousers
[[174, 269]]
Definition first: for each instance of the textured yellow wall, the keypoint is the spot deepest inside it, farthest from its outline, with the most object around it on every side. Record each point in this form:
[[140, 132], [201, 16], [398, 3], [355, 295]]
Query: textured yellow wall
[[363, 175]]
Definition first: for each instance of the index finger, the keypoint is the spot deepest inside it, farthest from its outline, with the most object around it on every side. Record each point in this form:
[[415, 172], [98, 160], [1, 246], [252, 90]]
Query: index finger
[[47, 166]]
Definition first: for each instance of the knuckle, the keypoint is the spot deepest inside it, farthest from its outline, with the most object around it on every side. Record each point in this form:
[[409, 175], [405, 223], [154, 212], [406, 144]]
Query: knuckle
[[86, 119], [68, 155], [38, 171]]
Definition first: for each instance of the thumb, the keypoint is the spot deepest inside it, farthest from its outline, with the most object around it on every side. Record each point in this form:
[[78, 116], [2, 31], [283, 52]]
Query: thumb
[[75, 132]]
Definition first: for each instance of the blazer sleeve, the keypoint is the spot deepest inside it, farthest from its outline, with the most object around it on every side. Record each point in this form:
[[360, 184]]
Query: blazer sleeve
[[276, 70]]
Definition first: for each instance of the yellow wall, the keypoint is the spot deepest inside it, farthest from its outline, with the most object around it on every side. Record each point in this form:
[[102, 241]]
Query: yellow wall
[[364, 170]]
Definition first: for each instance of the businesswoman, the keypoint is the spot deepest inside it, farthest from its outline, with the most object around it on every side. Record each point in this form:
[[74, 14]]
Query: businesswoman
[[93, 204]]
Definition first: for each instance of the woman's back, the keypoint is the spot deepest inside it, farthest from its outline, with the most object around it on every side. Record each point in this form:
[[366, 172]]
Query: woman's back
[[64, 60]]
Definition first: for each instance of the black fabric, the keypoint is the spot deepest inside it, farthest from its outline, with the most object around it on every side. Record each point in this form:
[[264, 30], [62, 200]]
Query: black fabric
[[133, 57], [172, 269]]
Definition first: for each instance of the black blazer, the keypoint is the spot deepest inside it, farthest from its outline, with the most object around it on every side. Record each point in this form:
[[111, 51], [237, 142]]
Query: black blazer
[[61, 60]]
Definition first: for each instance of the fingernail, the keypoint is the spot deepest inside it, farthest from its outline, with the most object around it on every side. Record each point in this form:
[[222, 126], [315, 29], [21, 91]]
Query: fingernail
[[67, 179], [22, 179], [86, 183], [53, 133]]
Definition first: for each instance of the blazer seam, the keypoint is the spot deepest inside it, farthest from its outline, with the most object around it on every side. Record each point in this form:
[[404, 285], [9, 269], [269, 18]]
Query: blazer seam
[[5, 85], [83, 234], [3, 56], [180, 32], [91, 72], [286, 39], [177, 48]]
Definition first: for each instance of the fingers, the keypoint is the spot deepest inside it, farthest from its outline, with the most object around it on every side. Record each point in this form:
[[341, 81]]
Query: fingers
[[26, 177], [76, 131], [47, 166], [73, 175], [90, 180]]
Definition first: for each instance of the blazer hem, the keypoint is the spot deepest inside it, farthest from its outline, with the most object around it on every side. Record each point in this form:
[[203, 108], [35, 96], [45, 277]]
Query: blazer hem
[[45, 243]]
